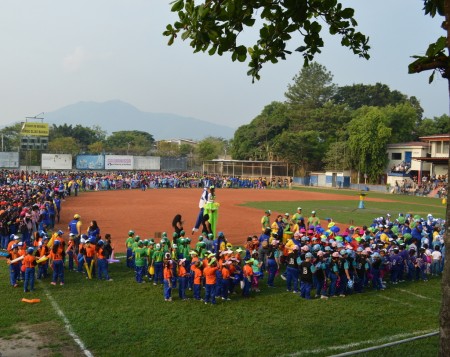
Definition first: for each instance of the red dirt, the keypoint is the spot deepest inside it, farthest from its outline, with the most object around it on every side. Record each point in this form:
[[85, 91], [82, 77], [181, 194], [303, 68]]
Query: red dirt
[[116, 212]]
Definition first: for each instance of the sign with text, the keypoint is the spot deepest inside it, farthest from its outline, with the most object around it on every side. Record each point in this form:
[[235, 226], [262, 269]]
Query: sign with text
[[118, 162], [34, 129]]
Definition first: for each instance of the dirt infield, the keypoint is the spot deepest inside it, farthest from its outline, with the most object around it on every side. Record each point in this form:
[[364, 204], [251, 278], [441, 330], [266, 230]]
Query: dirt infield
[[116, 212]]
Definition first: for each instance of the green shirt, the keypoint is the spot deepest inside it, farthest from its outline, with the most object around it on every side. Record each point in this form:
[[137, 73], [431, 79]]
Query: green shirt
[[139, 256], [158, 256], [129, 242]]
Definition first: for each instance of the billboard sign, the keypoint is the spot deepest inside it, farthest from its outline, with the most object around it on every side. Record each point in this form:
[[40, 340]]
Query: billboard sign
[[34, 129], [9, 160], [90, 162], [146, 163], [56, 162], [118, 162]]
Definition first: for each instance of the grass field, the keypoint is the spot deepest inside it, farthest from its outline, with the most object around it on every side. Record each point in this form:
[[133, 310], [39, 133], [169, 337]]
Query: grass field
[[122, 318]]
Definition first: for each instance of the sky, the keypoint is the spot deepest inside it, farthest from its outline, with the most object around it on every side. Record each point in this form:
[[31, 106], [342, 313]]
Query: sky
[[56, 53]]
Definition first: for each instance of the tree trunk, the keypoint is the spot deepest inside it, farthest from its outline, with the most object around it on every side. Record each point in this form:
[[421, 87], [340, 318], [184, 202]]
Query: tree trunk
[[444, 335]]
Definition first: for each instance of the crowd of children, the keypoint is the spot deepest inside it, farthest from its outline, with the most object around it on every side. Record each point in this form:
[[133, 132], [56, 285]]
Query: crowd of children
[[91, 256], [325, 260]]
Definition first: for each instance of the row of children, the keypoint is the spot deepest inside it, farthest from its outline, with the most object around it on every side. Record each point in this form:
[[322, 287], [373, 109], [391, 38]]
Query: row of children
[[53, 252], [176, 264]]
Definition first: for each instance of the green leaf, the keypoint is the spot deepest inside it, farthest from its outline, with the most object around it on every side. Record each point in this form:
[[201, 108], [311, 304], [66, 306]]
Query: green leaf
[[431, 77], [177, 6]]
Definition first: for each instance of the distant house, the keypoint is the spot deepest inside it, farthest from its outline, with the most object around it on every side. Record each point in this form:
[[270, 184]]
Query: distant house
[[180, 142], [403, 159], [437, 155]]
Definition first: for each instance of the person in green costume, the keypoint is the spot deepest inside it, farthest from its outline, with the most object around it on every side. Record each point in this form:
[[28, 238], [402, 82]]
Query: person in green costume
[[211, 209]]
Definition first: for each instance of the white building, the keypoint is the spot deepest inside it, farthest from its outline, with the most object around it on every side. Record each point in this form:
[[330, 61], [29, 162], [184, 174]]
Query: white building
[[404, 161]]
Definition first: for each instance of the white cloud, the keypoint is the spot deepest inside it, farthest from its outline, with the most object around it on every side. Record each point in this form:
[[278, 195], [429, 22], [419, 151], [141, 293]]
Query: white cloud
[[73, 61]]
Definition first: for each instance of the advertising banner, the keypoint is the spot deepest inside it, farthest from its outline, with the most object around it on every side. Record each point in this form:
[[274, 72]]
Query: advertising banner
[[146, 163], [34, 129], [9, 160], [56, 162], [118, 162], [90, 162]]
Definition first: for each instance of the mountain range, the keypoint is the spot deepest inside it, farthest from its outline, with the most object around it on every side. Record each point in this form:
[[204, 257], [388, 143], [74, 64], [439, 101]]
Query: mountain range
[[116, 115]]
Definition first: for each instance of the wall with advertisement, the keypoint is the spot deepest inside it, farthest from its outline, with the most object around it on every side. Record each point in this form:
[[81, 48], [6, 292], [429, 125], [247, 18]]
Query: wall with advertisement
[[151, 163], [118, 162], [56, 162], [90, 162], [9, 160]]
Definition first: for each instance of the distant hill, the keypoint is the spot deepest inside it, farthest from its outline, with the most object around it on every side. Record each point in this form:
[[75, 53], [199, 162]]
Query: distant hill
[[116, 115]]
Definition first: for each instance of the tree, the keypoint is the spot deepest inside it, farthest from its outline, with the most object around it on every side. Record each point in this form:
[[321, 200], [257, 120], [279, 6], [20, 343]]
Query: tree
[[368, 137], [66, 145], [129, 142], [377, 95], [437, 125], [214, 26], [304, 149], [11, 137], [96, 148], [167, 148], [312, 87], [83, 135], [402, 119], [210, 148], [337, 157]]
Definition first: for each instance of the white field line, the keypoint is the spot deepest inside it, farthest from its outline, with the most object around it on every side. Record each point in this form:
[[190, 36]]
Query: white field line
[[374, 348], [418, 295], [67, 324], [360, 343], [396, 300]]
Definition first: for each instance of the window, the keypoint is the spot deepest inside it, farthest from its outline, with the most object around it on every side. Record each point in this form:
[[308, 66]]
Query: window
[[396, 156], [438, 147], [445, 149]]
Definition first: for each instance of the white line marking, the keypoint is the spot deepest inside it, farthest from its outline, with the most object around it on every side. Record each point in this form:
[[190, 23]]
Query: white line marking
[[417, 295], [395, 300], [67, 325], [374, 348], [357, 344]]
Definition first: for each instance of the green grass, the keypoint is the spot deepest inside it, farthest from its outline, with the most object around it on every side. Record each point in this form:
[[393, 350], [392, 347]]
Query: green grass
[[122, 318]]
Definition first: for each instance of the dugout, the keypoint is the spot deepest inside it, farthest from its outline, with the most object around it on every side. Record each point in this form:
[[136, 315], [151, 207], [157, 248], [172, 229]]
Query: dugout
[[246, 168]]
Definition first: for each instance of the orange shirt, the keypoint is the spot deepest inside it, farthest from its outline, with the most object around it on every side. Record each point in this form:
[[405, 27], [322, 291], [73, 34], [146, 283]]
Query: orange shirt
[[56, 256], [29, 261], [181, 271], [225, 273], [210, 274], [10, 244], [100, 254], [70, 245], [197, 275], [168, 273], [43, 251], [14, 255], [232, 269], [90, 251], [248, 271]]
